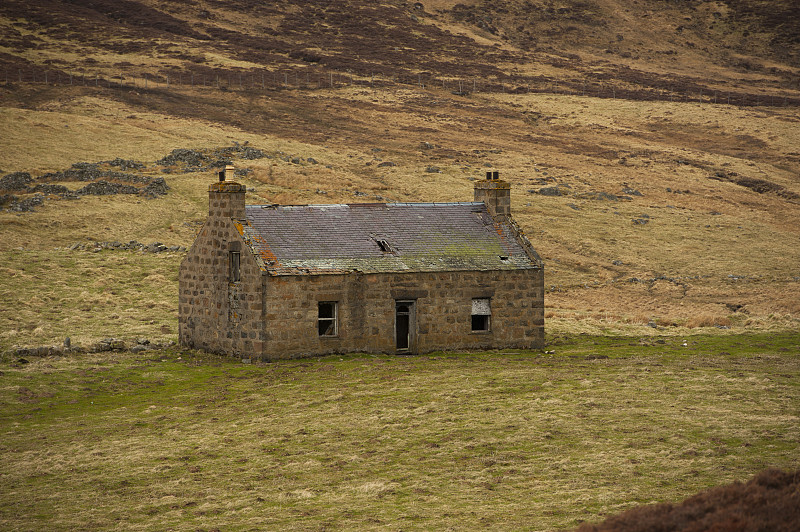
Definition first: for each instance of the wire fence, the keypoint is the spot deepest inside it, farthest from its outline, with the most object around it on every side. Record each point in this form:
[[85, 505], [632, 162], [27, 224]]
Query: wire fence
[[276, 80]]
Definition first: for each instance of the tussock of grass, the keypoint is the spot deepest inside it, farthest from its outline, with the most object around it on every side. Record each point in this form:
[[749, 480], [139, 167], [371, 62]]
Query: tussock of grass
[[514, 441]]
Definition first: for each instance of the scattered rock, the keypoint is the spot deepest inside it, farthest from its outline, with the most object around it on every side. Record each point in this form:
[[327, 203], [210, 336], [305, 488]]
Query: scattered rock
[[91, 172], [549, 191], [192, 159], [631, 191], [157, 187], [156, 247], [433, 169], [249, 153], [16, 181], [104, 188], [133, 245], [125, 164], [59, 190], [606, 196], [108, 344], [27, 204], [386, 163], [41, 351]]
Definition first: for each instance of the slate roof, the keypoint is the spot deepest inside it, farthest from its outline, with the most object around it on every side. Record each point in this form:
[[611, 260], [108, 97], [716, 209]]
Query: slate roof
[[294, 240]]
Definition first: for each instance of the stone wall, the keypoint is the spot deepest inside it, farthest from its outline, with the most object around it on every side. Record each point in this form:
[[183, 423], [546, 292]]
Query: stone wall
[[366, 311], [214, 313]]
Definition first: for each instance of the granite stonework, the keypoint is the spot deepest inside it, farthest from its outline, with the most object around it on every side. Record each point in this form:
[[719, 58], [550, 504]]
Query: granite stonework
[[271, 312]]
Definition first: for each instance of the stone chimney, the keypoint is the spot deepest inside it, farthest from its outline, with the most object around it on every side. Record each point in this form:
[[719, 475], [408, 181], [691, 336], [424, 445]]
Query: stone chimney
[[226, 198], [496, 194]]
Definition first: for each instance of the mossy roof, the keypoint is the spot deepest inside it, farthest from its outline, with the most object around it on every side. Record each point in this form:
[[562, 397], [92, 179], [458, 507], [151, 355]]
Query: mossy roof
[[382, 237]]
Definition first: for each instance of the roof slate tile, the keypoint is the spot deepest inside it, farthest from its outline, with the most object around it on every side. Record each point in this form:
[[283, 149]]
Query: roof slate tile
[[420, 237]]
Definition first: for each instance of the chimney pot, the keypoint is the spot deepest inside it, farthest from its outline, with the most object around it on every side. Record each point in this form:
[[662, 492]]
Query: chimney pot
[[229, 172], [496, 175], [488, 176]]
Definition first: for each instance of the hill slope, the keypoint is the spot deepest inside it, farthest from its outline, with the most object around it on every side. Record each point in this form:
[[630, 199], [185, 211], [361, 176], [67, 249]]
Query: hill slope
[[652, 145]]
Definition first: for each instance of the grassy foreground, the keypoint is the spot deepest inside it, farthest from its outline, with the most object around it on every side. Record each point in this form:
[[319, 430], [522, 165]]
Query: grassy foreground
[[183, 440]]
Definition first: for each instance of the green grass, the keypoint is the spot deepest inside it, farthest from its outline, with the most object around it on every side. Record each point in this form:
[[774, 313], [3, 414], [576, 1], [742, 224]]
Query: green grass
[[514, 440]]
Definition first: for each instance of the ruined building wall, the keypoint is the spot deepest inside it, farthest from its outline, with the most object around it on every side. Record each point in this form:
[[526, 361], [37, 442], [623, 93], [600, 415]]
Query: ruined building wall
[[366, 311], [216, 313]]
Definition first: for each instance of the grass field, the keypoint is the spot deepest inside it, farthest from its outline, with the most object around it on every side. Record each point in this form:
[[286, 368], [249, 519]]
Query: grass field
[[516, 440]]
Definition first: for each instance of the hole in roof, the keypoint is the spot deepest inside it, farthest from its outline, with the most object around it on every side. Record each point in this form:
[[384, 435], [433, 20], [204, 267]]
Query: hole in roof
[[384, 245]]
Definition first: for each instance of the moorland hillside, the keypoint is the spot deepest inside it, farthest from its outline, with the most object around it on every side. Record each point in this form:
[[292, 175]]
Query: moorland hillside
[[652, 145]]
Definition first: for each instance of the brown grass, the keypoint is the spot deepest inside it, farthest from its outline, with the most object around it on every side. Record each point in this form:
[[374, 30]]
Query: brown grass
[[708, 242], [707, 320]]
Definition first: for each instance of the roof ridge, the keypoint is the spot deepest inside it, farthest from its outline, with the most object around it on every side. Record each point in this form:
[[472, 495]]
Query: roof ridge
[[376, 204]]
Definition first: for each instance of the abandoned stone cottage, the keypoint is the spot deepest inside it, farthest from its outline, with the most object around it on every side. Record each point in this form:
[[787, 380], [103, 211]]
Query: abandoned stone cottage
[[274, 281]]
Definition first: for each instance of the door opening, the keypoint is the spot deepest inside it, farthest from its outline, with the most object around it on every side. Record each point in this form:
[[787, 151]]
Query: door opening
[[404, 325]]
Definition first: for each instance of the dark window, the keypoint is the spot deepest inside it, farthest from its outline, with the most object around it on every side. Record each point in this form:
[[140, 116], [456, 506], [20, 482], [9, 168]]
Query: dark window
[[234, 266], [327, 318], [481, 314]]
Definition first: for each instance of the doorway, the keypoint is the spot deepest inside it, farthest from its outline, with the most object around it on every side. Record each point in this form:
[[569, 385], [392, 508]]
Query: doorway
[[404, 326]]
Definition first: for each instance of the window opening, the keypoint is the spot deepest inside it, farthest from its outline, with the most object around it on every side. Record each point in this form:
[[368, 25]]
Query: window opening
[[481, 314], [234, 266], [327, 322]]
